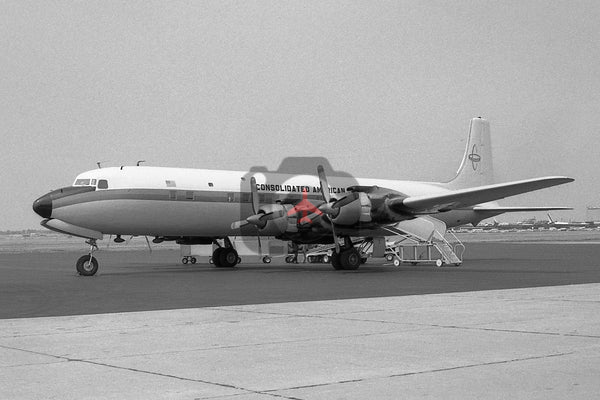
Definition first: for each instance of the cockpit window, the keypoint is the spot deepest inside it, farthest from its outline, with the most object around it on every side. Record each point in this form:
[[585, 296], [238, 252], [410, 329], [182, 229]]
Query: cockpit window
[[102, 184], [82, 182]]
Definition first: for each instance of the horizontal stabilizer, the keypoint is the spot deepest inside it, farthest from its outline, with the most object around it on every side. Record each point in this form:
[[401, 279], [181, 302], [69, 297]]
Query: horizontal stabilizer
[[519, 209], [463, 198], [487, 212]]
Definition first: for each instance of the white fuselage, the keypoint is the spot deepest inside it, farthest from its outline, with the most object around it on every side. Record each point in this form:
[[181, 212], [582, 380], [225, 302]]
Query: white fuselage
[[199, 202]]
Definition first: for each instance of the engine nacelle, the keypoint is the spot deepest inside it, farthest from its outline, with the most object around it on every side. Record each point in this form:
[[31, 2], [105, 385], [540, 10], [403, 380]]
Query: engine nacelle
[[354, 212], [278, 221]]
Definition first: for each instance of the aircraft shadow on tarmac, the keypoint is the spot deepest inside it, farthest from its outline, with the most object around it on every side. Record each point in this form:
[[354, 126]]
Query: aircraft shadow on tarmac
[[145, 269]]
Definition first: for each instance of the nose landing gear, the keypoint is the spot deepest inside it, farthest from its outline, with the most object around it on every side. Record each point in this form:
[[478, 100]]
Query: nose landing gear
[[88, 265]]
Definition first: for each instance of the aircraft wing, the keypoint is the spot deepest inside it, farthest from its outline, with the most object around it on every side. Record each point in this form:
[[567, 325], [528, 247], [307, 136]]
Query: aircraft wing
[[472, 196]]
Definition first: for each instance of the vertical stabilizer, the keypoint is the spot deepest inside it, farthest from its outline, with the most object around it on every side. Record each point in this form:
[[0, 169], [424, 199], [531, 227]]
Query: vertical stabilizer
[[476, 166]]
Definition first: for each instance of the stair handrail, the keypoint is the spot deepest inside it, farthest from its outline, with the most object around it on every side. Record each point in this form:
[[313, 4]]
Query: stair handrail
[[457, 247]]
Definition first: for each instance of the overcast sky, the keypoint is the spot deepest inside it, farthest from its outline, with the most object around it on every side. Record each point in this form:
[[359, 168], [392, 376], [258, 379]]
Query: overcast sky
[[381, 88]]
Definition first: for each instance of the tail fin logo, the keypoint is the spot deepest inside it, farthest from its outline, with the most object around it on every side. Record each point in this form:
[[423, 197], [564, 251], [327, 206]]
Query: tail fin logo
[[475, 158]]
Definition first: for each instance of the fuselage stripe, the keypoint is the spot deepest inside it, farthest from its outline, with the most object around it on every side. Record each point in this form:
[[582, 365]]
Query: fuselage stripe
[[171, 195]]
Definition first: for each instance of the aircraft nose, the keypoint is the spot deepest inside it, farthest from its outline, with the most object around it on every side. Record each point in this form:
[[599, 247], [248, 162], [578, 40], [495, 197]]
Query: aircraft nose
[[43, 206]]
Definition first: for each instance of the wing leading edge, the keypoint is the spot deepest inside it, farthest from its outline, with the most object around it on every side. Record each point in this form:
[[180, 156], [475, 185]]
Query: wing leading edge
[[457, 199]]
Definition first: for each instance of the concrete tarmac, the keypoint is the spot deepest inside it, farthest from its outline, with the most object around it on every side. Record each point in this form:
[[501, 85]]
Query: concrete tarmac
[[533, 343]]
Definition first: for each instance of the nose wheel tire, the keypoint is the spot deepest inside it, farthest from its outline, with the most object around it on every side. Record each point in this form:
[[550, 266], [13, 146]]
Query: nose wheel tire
[[87, 265]]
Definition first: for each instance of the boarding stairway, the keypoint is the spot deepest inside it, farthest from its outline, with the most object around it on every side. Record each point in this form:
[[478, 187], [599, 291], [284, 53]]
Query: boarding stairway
[[415, 241], [423, 240]]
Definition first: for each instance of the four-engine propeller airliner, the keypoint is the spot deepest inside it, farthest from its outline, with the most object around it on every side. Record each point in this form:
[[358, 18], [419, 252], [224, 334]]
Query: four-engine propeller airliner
[[201, 206]]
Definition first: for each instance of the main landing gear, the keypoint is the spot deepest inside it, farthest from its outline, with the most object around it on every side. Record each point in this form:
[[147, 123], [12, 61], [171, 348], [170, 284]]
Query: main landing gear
[[348, 258], [88, 265], [225, 256]]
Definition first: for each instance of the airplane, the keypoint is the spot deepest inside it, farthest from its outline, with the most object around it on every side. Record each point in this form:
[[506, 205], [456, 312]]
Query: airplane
[[203, 206], [562, 225]]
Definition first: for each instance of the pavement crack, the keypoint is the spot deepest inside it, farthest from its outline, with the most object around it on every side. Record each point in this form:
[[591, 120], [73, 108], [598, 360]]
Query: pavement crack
[[475, 328], [141, 371], [157, 374], [484, 364], [238, 346], [219, 384], [32, 352], [432, 371], [80, 360]]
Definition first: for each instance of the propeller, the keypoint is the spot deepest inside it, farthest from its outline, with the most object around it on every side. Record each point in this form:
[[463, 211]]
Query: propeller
[[257, 218], [328, 208]]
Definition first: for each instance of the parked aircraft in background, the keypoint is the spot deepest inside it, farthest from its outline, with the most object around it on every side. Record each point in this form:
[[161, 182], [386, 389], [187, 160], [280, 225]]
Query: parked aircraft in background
[[566, 225], [532, 224], [201, 206]]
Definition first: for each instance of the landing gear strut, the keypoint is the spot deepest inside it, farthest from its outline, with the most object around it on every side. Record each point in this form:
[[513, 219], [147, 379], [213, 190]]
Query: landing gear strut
[[88, 265], [225, 257], [348, 258]]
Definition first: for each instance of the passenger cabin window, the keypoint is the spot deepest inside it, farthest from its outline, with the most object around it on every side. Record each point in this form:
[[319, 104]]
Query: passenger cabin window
[[102, 184]]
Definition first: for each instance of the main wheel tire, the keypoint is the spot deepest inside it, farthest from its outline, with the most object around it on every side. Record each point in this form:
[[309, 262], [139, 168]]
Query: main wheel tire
[[184, 260], [228, 257], [350, 259], [335, 261], [216, 257], [193, 260], [326, 259], [87, 265]]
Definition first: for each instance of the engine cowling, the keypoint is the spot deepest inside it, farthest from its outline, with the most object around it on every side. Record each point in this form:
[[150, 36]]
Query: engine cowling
[[357, 210], [277, 220]]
